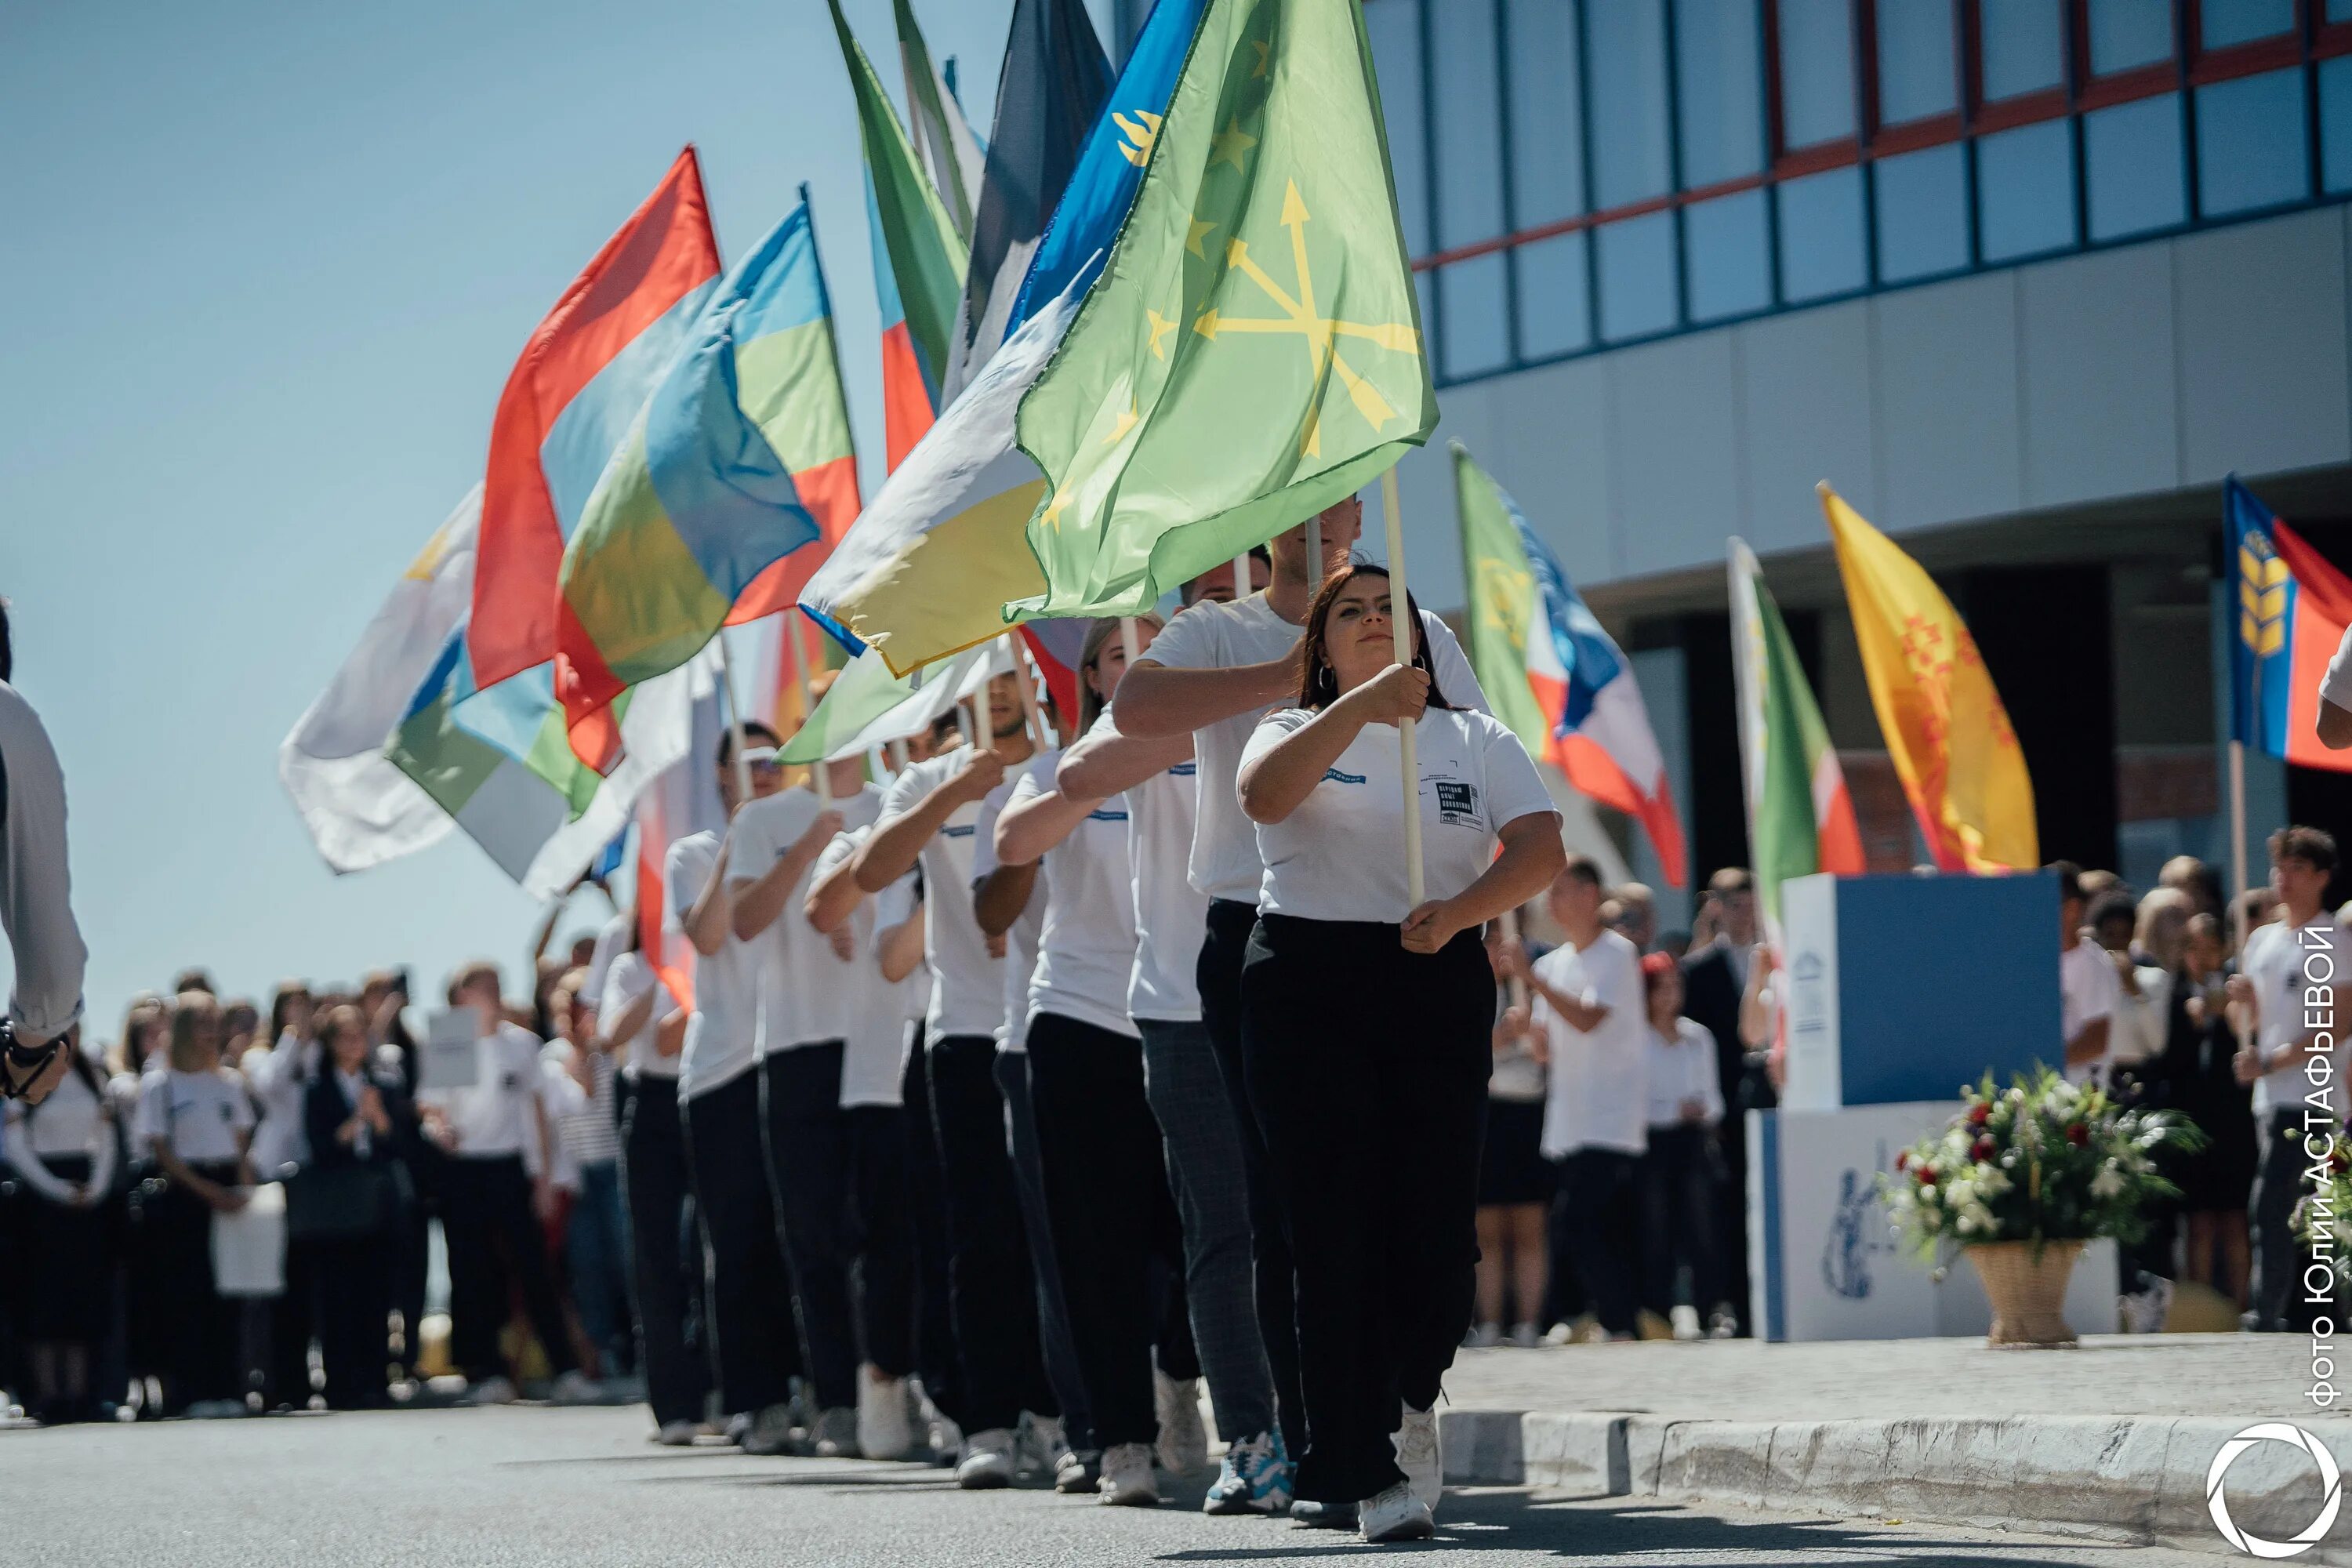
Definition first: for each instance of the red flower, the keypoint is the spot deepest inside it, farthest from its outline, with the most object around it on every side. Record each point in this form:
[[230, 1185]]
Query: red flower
[[2336, 1163], [2077, 1134], [1978, 1113], [1981, 1150], [1902, 1159], [1926, 1174]]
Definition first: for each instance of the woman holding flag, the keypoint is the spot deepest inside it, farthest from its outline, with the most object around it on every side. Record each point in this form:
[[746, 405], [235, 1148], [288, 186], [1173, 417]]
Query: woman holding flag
[[1366, 1023]]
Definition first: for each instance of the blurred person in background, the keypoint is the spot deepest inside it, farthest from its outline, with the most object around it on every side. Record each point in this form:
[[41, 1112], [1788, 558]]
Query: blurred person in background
[[358, 1121], [1515, 1182], [2200, 1082], [64, 1158], [595, 1234], [279, 1071], [195, 1123], [1681, 1166], [2188, 875], [35, 897], [2088, 989], [1718, 974], [1634, 912]]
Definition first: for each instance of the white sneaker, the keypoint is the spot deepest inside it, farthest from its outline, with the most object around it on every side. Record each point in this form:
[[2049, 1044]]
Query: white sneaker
[[1484, 1337], [677, 1434], [1420, 1458], [576, 1387], [493, 1391], [946, 1439], [772, 1431], [1527, 1336], [1395, 1515], [835, 1435], [1127, 1478], [883, 1430], [1043, 1446], [1684, 1319], [987, 1461], [1183, 1445]]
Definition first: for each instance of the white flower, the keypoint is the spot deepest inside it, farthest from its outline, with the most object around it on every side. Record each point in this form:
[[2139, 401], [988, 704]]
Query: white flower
[[1967, 1223], [1960, 1192], [1978, 1217], [1992, 1181], [2108, 1183], [1928, 1196]]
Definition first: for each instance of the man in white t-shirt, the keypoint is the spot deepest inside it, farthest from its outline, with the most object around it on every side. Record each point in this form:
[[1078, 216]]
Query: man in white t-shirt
[[2335, 726], [2088, 992], [1215, 671], [35, 897], [2282, 1004], [1589, 1001], [748, 1289]]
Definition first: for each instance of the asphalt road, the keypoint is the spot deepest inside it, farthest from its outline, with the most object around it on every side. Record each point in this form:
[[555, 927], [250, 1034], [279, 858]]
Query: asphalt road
[[522, 1487]]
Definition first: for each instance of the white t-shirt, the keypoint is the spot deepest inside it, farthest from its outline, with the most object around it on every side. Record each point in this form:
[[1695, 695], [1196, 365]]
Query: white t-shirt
[[721, 1038], [2087, 992], [1215, 635], [1160, 812], [968, 986], [2335, 686], [75, 1122], [492, 1116], [874, 1044], [1599, 1093], [1683, 1068], [280, 1076], [1085, 952], [199, 1114], [629, 977], [610, 942], [2283, 961], [1341, 854], [804, 997], [2135, 1030], [1023, 937]]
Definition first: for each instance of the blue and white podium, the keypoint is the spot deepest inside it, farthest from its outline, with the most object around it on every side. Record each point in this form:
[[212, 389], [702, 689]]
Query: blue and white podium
[[1900, 989]]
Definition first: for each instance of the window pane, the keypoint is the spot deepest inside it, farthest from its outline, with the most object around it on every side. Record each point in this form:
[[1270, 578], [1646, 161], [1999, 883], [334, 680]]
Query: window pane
[[2226, 22], [2339, 10], [1555, 308], [1628, 76], [1720, 89], [2127, 33], [2023, 47], [1923, 214], [1816, 71], [2025, 191], [1730, 274], [1424, 294], [2250, 142], [1477, 333], [1469, 125], [1820, 235], [1914, 60], [2132, 157], [1546, 133], [1394, 29], [1637, 276], [2335, 121]]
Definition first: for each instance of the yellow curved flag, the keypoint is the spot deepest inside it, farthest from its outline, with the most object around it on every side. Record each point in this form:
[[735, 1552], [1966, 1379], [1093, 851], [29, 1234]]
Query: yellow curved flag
[[1944, 726]]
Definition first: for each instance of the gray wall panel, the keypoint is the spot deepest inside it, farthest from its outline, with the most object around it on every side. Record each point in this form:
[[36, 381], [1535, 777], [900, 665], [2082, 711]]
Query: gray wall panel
[[1674, 442], [2262, 373], [1947, 379], [2100, 392], [1807, 413]]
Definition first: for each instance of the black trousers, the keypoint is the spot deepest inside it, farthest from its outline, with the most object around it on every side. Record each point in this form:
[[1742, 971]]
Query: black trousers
[[354, 1279], [839, 1179], [747, 1286], [927, 1225], [991, 1290], [1369, 1066], [1680, 1180], [496, 1247], [1116, 1232], [1599, 1194], [198, 1333], [1224, 950], [412, 1260], [657, 1189], [294, 1317], [2278, 1259], [1053, 1343]]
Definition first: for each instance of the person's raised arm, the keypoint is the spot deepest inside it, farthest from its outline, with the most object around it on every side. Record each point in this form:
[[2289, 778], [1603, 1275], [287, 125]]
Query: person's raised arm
[[1106, 762], [998, 898], [669, 1035], [757, 900], [891, 850], [1156, 701], [832, 896], [900, 947], [1578, 1014], [1530, 856], [707, 921], [1035, 821], [1277, 781], [624, 1024]]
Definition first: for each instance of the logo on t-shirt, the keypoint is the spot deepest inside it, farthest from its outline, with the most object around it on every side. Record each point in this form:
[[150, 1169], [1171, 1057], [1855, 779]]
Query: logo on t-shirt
[[966, 831], [511, 1082], [1183, 769], [1333, 775], [1457, 803]]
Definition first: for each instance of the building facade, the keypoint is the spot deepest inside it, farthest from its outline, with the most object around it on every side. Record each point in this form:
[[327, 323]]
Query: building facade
[[2022, 279]]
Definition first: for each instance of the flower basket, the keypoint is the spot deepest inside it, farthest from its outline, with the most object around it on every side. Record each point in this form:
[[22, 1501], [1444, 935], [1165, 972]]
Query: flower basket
[[2027, 1287]]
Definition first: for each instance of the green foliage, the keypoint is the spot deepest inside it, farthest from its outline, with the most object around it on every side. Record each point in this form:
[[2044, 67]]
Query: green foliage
[[2323, 1216]]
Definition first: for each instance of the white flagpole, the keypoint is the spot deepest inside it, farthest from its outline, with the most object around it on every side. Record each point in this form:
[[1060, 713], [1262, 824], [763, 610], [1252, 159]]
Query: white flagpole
[[734, 718], [2238, 912], [898, 755], [1314, 553], [1024, 678], [821, 769], [1241, 576], [1401, 618]]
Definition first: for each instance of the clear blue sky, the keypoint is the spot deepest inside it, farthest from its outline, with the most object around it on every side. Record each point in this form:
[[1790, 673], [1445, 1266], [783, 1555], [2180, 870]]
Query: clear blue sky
[[268, 267]]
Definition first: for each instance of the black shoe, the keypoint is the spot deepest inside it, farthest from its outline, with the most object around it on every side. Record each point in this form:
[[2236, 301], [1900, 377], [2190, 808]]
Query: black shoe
[[1324, 1515]]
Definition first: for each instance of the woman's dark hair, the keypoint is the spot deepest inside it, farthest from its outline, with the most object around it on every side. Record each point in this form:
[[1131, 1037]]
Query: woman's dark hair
[[281, 1003], [1318, 688], [755, 733]]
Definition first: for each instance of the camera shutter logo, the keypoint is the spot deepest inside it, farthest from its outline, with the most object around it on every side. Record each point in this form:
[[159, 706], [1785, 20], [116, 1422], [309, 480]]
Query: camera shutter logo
[[2219, 1506]]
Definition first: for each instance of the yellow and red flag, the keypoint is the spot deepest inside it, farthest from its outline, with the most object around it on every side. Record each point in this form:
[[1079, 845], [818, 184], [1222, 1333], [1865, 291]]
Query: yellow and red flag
[[1945, 727]]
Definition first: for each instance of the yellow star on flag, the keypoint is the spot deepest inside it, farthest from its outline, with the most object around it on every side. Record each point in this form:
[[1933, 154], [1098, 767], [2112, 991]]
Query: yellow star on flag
[[1201, 231], [1160, 327], [1128, 418], [1053, 508], [1265, 50], [1230, 143]]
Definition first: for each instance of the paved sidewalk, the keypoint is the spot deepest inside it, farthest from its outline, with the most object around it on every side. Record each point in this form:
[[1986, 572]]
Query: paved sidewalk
[[2113, 1438]]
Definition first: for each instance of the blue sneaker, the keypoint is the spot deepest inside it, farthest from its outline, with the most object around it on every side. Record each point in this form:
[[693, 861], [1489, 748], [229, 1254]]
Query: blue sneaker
[[1230, 1492], [1264, 1465]]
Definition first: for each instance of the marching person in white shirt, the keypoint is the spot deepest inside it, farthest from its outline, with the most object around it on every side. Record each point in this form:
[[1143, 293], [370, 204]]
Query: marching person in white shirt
[[35, 897], [1367, 1025], [492, 1205], [67, 1153], [1216, 671]]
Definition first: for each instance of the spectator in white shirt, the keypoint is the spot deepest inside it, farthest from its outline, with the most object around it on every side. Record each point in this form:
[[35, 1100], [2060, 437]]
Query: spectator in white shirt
[[1682, 1167], [2087, 988], [595, 1239], [36, 898], [65, 1154]]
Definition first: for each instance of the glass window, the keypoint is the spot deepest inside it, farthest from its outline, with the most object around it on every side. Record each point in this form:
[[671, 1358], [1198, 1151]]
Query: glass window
[[2023, 47], [1477, 331], [1547, 131], [1923, 212], [2336, 123], [1821, 236], [2127, 33], [1637, 276], [2133, 162], [2226, 22], [1394, 29], [1816, 71], [1554, 300], [1425, 295], [1627, 72], [2250, 142], [1914, 60], [2339, 10], [1469, 124], [2025, 191], [1723, 245], [1721, 90]]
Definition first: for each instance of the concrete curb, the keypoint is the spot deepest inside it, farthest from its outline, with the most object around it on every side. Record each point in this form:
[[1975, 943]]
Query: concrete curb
[[2121, 1477]]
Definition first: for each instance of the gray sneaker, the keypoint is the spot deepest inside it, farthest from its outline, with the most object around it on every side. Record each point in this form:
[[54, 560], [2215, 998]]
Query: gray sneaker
[[772, 1431], [1324, 1515], [836, 1433]]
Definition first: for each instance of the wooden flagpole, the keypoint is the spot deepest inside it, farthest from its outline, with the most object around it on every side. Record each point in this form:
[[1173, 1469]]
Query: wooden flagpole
[[735, 718], [1400, 619], [1024, 678], [821, 769]]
